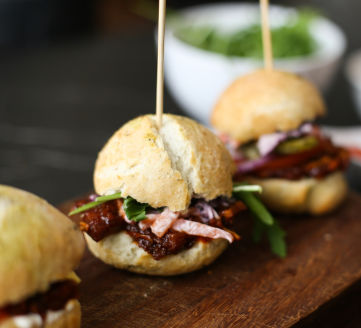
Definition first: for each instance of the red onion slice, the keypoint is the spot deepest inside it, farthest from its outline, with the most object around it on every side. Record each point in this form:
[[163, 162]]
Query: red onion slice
[[248, 166], [268, 142]]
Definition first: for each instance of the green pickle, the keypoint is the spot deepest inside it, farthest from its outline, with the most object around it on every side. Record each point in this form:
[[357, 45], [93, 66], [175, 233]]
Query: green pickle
[[298, 145], [250, 151]]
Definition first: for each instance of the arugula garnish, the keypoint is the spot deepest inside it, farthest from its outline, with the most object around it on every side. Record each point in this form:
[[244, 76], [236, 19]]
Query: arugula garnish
[[263, 220], [135, 211]]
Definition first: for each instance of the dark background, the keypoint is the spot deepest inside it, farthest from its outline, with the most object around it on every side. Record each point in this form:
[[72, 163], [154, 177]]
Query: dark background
[[73, 71]]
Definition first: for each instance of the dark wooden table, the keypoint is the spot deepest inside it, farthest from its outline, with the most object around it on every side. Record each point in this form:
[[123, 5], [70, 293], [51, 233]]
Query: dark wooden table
[[59, 104]]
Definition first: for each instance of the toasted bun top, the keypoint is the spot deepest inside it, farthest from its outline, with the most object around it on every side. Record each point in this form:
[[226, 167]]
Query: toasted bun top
[[166, 166], [264, 102], [38, 245]]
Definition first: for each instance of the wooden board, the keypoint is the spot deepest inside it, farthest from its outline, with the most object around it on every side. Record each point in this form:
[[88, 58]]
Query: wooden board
[[245, 287]]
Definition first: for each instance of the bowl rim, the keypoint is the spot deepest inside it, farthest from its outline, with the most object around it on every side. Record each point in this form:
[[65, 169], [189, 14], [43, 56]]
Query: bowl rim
[[350, 62], [309, 62]]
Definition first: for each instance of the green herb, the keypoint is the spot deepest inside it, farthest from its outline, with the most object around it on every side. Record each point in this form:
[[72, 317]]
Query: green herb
[[98, 201], [258, 230], [85, 207], [109, 197], [249, 188], [290, 40], [264, 223], [250, 151], [256, 207], [275, 234], [134, 210]]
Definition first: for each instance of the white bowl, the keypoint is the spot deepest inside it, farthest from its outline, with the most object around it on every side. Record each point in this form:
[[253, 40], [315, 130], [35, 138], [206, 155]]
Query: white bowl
[[353, 73], [196, 78]]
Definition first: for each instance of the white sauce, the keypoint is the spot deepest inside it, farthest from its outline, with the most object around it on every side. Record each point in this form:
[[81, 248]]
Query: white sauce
[[35, 320], [28, 321], [55, 315]]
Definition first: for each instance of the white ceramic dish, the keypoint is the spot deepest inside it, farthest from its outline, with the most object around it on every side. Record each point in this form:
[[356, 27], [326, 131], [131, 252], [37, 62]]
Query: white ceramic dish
[[196, 77], [353, 73]]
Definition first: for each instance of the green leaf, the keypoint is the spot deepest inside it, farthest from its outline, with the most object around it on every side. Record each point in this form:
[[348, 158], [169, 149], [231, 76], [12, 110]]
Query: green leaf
[[135, 211], [250, 188], [264, 223], [276, 237], [109, 197], [255, 206], [98, 201], [85, 207], [258, 230], [291, 39]]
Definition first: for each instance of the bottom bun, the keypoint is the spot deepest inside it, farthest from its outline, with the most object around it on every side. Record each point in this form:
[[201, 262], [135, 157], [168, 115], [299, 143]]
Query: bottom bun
[[69, 317], [122, 252], [303, 196]]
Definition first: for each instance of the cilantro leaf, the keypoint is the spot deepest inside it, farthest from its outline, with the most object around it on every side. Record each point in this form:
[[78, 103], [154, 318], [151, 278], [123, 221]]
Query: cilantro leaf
[[134, 210]]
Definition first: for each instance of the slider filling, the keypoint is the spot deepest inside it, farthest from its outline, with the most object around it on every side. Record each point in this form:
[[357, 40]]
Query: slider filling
[[55, 298], [292, 155], [162, 232]]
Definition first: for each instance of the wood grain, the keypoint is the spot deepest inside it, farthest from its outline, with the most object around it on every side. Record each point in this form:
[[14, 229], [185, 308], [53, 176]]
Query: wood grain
[[246, 287]]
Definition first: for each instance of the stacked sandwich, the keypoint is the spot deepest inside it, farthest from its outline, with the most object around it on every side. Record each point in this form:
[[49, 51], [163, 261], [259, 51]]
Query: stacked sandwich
[[266, 119], [163, 202], [39, 248]]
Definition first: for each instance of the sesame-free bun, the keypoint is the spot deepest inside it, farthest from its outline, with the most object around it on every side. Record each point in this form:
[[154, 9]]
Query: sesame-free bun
[[69, 317], [264, 102], [166, 166], [38, 245], [308, 195], [122, 252]]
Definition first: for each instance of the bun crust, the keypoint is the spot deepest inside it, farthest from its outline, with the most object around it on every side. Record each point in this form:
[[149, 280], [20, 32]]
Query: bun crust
[[122, 252], [303, 196], [38, 245], [70, 317], [264, 102], [166, 166]]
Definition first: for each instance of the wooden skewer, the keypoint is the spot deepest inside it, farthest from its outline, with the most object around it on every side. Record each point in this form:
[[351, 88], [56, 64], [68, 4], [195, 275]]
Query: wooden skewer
[[266, 36], [160, 67]]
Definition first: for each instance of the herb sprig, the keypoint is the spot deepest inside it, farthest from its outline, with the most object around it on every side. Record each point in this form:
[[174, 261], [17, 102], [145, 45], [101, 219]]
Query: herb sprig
[[134, 210], [98, 201], [264, 222]]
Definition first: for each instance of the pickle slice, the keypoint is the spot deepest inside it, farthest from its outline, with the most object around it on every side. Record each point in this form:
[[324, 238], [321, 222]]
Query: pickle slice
[[298, 145], [250, 151]]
